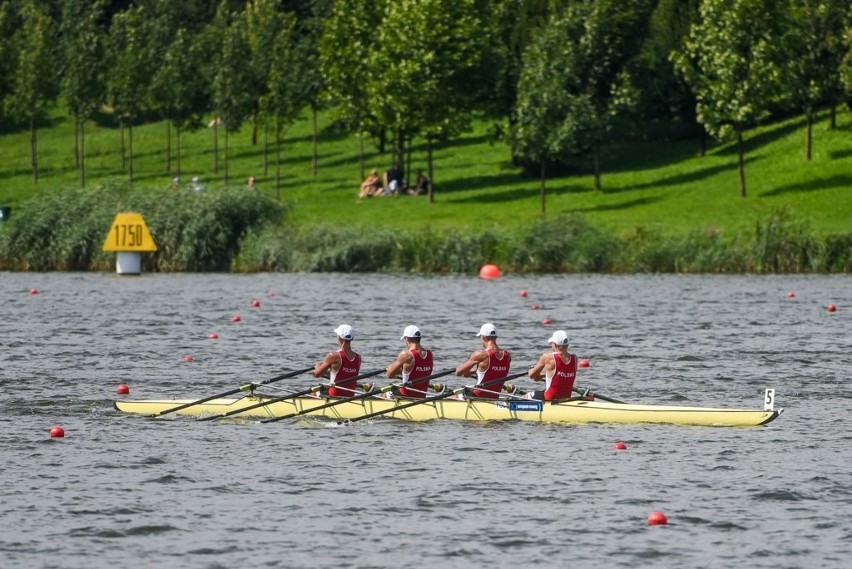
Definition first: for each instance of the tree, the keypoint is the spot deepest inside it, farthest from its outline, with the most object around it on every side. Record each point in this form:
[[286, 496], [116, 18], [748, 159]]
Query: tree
[[34, 84], [575, 82], [428, 53], [82, 37], [814, 50], [129, 79], [231, 88], [731, 61]]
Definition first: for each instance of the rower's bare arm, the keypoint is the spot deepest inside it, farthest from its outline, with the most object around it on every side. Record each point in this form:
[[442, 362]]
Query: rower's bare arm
[[398, 365], [535, 372], [321, 369], [468, 368]]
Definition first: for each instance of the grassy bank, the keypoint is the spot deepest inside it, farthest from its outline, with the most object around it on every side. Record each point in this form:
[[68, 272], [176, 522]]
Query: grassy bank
[[662, 208]]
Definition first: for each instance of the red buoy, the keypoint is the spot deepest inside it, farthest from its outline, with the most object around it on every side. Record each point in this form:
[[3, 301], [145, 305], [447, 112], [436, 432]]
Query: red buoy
[[546, 321], [832, 308], [213, 336], [657, 519], [523, 294], [489, 272], [255, 303], [791, 294], [123, 389], [619, 446], [57, 432], [270, 294], [235, 318], [187, 358], [535, 306], [583, 363], [33, 291]]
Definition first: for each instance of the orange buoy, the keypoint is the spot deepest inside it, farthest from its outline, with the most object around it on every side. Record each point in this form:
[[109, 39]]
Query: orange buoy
[[489, 272], [123, 389], [583, 363], [213, 336], [255, 303], [57, 432], [619, 446], [657, 519], [235, 318], [831, 308], [187, 358]]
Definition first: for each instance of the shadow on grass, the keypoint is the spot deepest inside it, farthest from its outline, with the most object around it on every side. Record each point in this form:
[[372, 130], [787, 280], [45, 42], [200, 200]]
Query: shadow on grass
[[837, 181], [616, 206], [751, 143], [519, 194], [681, 179], [841, 154], [478, 182]]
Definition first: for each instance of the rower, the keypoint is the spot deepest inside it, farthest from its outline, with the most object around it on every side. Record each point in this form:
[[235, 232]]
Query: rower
[[341, 366], [414, 363], [556, 368], [489, 364]]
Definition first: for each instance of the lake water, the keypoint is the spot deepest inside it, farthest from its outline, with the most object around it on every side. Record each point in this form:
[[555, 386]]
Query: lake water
[[132, 491]]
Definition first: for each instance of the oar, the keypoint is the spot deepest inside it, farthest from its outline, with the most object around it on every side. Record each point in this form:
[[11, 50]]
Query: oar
[[312, 389], [245, 387], [435, 398], [586, 391], [370, 393]]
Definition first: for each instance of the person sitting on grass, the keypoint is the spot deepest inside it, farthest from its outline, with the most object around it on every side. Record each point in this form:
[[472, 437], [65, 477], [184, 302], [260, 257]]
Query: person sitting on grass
[[421, 184], [371, 186]]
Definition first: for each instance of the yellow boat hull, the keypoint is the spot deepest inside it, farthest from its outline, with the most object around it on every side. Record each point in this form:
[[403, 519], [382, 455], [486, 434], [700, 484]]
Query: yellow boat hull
[[568, 412]]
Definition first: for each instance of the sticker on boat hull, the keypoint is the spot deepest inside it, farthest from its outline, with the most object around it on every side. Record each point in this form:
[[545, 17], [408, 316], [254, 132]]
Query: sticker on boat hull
[[525, 406]]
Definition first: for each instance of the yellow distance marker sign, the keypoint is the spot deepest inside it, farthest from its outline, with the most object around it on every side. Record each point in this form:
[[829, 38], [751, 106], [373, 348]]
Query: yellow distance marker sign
[[129, 233]]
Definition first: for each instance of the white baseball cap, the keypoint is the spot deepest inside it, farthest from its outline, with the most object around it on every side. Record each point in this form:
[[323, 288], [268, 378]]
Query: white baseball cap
[[560, 338], [488, 330], [410, 332], [345, 331]]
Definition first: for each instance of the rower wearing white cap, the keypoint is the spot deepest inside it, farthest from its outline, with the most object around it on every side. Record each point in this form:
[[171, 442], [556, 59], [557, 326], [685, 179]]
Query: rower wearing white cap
[[490, 363], [556, 368], [414, 363], [342, 366]]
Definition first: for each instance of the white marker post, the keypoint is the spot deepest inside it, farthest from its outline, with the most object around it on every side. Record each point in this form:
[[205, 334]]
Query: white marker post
[[129, 238]]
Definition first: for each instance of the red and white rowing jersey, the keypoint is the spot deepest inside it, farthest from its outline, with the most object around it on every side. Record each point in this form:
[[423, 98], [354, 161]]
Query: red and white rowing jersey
[[561, 383], [497, 368], [344, 377], [422, 368]]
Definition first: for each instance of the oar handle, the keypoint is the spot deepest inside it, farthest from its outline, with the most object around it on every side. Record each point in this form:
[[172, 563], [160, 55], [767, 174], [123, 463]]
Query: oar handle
[[598, 395]]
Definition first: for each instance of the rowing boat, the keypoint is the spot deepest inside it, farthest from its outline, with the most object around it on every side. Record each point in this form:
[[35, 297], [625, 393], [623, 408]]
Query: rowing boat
[[568, 412]]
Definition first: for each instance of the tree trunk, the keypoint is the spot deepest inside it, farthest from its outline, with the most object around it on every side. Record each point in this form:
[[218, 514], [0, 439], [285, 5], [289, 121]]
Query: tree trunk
[[361, 155], [741, 161], [431, 183], [225, 156], [833, 120], [81, 126], [314, 141], [809, 135], [278, 162], [265, 147], [121, 145], [597, 166], [168, 147], [177, 149], [543, 207], [77, 140], [130, 153], [33, 149], [216, 145]]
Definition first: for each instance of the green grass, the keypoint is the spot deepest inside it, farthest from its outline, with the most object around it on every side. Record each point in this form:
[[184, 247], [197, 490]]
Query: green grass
[[662, 187]]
